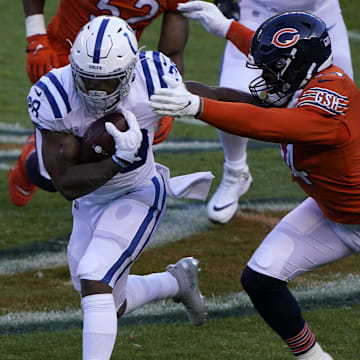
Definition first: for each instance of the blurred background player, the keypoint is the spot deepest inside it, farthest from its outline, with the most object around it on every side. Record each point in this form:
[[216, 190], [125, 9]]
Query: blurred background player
[[50, 47], [310, 107], [118, 202], [236, 180]]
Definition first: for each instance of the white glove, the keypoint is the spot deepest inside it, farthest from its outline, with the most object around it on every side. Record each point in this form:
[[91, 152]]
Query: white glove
[[174, 100], [211, 18], [127, 142]]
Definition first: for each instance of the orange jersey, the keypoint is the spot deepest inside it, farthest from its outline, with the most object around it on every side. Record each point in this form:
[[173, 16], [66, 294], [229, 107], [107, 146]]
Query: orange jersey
[[73, 14], [320, 139]]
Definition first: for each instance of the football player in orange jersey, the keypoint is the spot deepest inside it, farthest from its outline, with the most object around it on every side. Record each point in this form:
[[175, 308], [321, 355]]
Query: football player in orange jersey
[[310, 107], [49, 48], [236, 177]]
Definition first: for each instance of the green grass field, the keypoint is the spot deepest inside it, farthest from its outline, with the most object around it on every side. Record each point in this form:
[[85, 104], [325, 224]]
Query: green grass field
[[40, 316]]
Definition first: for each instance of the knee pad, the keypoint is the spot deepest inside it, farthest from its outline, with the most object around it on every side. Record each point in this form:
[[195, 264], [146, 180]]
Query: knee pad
[[256, 283]]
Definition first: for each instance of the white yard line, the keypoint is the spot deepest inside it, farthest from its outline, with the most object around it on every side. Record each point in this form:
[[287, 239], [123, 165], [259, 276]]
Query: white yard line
[[321, 293], [354, 35]]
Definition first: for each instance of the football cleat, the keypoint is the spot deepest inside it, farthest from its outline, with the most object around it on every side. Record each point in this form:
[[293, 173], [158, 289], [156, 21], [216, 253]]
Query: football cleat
[[21, 189], [224, 203], [186, 272]]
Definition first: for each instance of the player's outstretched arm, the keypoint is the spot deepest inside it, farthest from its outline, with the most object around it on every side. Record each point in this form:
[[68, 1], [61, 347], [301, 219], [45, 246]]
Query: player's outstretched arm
[[180, 100], [41, 58], [209, 15]]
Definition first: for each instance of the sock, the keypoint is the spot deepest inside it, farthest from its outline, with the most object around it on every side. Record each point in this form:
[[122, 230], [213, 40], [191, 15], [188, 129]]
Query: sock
[[315, 353], [99, 326], [234, 149], [274, 302], [142, 290], [303, 342]]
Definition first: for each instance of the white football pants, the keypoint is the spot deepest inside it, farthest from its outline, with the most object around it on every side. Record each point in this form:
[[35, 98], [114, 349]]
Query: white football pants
[[302, 241], [107, 238]]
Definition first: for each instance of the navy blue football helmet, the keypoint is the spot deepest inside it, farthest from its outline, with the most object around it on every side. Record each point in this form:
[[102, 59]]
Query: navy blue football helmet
[[289, 48]]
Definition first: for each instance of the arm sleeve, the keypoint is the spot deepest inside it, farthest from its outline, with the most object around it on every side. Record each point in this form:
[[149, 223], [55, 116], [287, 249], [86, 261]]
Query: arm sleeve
[[275, 125], [240, 36]]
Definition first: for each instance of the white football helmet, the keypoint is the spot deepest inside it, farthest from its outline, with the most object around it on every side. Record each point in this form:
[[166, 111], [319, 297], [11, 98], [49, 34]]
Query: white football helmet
[[103, 59]]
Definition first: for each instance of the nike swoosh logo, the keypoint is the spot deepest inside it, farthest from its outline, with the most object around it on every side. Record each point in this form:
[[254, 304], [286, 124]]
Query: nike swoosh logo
[[324, 80], [39, 47], [223, 207], [38, 93], [24, 192]]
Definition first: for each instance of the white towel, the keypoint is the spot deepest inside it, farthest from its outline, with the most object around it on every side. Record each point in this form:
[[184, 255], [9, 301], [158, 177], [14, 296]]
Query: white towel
[[191, 186]]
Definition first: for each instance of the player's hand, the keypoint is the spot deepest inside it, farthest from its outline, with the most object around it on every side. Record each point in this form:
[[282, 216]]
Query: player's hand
[[127, 143], [175, 100], [211, 18], [163, 129], [41, 58], [229, 8]]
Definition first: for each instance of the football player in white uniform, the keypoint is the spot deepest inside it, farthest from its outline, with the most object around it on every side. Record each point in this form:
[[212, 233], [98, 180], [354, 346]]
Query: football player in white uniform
[[237, 179], [118, 202]]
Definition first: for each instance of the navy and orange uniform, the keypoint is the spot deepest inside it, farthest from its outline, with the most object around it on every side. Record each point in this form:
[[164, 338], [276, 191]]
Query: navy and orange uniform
[[319, 135], [73, 14]]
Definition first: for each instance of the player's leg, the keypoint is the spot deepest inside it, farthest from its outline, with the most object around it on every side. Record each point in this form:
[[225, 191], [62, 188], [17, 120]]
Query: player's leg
[[21, 188], [330, 13], [179, 282], [301, 242], [120, 231], [26, 175], [99, 313], [236, 179]]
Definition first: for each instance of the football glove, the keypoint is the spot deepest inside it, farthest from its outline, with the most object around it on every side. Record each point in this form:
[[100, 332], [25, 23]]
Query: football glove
[[41, 58], [163, 129], [175, 100], [229, 8], [210, 17], [127, 143]]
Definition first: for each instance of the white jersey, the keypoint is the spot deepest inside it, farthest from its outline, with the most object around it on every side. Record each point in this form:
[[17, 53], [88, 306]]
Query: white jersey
[[55, 105]]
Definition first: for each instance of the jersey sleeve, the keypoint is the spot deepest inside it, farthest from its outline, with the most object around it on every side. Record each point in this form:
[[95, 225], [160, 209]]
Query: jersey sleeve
[[48, 104], [240, 36], [154, 66], [326, 94], [278, 125]]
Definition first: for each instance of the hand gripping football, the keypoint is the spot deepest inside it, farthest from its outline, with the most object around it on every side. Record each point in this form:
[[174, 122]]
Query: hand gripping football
[[97, 144]]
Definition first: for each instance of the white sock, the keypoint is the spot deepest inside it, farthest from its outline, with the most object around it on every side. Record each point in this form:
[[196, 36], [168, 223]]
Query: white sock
[[234, 149], [99, 326], [142, 290], [315, 353]]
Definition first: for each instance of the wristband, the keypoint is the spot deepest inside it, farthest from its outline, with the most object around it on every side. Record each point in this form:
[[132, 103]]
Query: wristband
[[122, 163], [35, 24]]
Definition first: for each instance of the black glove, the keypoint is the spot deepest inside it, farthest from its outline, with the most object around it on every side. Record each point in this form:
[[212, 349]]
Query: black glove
[[229, 8]]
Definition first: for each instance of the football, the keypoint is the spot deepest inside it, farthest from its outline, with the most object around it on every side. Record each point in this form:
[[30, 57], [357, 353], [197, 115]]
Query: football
[[97, 144]]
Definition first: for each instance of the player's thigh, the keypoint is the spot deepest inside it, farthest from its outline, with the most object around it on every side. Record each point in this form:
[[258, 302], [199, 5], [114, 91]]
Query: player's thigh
[[84, 217], [234, 73], [122, 232], [302, 241]]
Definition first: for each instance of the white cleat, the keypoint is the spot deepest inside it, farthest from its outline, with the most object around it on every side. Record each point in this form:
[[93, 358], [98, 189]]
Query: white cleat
[[224, 203], [186, 272]]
